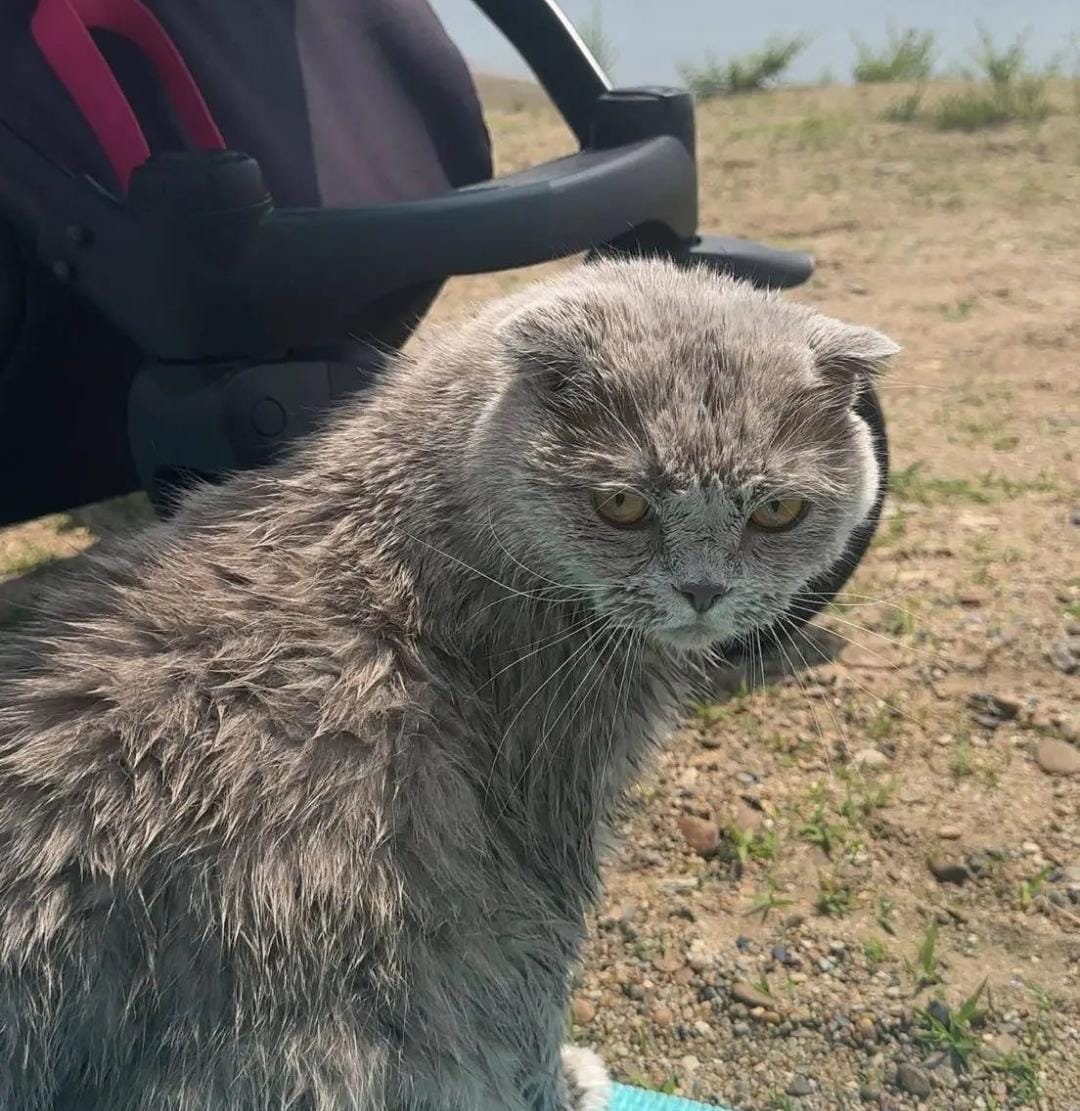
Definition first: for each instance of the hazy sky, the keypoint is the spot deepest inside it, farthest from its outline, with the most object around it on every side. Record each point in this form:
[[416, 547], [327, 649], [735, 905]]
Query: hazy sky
[[652, 36]]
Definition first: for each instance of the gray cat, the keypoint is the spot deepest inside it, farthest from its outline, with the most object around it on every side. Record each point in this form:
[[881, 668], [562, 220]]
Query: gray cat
[[301, 793]]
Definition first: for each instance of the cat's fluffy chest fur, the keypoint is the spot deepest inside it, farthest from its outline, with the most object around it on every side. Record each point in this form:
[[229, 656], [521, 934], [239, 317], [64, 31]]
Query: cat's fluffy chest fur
[[301, 794]]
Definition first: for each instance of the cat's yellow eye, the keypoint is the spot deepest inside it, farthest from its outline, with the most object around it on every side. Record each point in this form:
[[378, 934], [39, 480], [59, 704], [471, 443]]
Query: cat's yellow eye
[[622, 508], [779, 514]]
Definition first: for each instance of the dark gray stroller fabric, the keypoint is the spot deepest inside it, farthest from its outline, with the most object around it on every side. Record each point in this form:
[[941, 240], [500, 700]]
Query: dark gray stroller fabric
[[342, 102]]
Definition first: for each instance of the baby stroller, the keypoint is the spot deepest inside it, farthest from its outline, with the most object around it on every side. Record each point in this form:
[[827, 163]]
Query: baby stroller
[[215, 216]]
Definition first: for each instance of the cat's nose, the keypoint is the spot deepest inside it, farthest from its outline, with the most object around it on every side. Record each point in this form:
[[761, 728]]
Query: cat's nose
[[702, 595]]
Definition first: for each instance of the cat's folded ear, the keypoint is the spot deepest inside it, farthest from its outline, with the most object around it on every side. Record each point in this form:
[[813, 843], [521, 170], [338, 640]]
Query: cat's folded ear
[[553, 347], [848, 356]]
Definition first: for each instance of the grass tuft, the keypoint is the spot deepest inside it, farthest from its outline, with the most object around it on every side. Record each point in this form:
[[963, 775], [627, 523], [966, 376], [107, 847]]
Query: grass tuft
[[955, 1034], [835, 897], [750, 73], [1008, 90], [908, 55]]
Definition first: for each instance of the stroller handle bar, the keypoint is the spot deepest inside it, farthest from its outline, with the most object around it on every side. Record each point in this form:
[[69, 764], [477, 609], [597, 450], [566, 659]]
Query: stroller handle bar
[[560, 208], [200, 265]]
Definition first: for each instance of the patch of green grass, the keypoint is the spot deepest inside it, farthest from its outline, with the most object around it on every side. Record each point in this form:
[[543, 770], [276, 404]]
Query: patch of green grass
[[926, 968], [955, 1036], [893, 527], [1021, 1071], [835, 897], [782, 1102], [668, 1084], [820, 132], [904, 109], [875, 950], [751, 72], [1031, 887], [821, 831], [748, 846], [784, 747], [863, 800], [980, 429], [962, 310], [1008, 90], [766, 845], [902, 622], [908, 55], [711, 713], [927, 955], [24, 558], [594, 33], [969, 111], [1010, 488], [768, 900], [881, 724], [912, 484], [961, 764], [883, 914], [1072, 610]]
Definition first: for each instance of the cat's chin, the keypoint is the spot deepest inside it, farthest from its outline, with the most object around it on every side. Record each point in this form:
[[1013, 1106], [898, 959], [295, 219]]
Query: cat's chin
[[689, 638]]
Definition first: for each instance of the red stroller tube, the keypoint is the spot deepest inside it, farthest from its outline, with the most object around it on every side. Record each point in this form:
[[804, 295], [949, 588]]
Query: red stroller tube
[[61, 29]]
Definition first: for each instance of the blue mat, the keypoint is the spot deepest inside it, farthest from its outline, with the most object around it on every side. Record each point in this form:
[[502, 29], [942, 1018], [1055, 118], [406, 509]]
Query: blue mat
[[634, 1099]]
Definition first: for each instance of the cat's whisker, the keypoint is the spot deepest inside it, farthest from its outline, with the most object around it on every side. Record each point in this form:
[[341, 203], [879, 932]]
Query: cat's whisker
[[868, 691], [633, 638], [793, 671], [570, 660], [616, 647], [764, 686], [543, 645], [914, 386], [637, 638], [935, 657], [828, 702], [866, 600], [546, 729], [581, 587], [461, 563], [545, 596], [627, 636]]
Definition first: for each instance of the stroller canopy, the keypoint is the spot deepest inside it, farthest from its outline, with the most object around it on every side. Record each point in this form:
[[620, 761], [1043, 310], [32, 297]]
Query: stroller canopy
[[342, 102]]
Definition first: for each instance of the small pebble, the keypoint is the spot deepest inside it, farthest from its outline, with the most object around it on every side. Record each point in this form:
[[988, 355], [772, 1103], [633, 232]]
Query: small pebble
[[946, 870], [751, 996], [700, 835], [913, 1080], [1057, 757]]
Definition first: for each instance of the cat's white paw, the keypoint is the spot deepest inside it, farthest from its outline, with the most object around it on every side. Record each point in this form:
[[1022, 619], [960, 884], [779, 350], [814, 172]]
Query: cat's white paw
[[587, 1084]]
